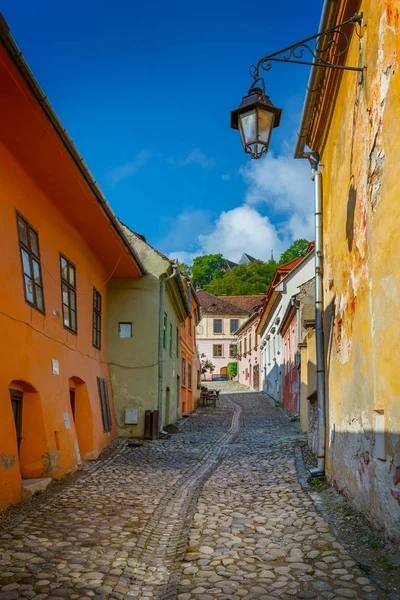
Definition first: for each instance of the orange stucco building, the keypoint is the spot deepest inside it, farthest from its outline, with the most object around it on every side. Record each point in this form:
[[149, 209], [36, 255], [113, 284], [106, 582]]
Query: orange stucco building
[[59, 246], [190, 362]]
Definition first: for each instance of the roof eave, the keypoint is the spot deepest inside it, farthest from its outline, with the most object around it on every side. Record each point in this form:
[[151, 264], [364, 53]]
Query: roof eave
[[29, 78]]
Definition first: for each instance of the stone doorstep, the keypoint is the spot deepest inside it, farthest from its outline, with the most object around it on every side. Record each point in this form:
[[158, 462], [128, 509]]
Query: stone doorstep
[[34, 486]]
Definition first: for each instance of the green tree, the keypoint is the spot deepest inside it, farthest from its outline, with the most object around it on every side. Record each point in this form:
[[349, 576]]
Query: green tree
[[251, 278], [232, 369], [207, 268], [185, 270], [297, 249]]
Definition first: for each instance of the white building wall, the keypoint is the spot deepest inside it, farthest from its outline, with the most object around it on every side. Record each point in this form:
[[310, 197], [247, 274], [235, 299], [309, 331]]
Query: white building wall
[[271, 340]]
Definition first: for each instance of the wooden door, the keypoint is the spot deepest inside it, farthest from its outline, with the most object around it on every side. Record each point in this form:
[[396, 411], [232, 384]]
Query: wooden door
[[16, 403], [256, 377]]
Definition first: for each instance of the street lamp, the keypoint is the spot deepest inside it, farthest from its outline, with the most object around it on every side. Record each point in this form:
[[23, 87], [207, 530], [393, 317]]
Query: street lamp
[[255, 118]]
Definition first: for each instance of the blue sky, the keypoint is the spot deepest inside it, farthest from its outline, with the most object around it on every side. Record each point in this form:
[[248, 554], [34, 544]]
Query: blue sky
[[145, 91]]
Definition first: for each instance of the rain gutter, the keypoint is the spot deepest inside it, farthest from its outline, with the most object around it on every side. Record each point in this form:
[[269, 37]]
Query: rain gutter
[[22, 66]]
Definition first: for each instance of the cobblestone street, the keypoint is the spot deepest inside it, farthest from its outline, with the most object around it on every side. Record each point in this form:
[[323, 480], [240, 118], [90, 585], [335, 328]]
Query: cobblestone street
[[216, 511]]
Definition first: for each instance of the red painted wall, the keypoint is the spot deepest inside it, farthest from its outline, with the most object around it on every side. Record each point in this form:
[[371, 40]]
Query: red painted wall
[[291, 373]]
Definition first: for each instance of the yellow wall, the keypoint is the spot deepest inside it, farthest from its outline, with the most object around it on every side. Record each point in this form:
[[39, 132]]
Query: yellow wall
[[134, 361], [360, 164]]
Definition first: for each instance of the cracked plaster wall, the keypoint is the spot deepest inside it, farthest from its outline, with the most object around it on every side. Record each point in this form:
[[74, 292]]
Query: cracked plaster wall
[[362, 272]]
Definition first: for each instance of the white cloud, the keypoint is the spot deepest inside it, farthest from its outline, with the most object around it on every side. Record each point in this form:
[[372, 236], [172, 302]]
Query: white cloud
[[285, 186], [277, 185], [128, 169], [225, 177], [242, 229], [195, 157]]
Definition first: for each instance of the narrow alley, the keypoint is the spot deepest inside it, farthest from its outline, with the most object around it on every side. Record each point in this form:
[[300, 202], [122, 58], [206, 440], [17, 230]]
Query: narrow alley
[[216, 511]]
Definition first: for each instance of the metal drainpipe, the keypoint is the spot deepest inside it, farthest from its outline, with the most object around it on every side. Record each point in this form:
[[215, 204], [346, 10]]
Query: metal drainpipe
[[160, 342], [316, 176]]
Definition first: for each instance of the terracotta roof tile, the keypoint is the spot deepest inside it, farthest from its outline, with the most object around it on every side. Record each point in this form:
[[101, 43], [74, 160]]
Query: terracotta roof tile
[[228, 305]]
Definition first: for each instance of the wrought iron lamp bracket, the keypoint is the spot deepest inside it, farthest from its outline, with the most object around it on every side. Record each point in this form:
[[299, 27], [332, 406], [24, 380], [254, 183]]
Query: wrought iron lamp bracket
[[332, 43]]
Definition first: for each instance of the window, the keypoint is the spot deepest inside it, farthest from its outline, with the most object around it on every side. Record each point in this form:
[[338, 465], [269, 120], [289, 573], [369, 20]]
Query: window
[[234, 325], [240, 347], [189, 376], [68, 293], [170, 339], [30, 259], [245, 345], [105, 404], [217, 325], [183, 371], [177, 341], [124, 330], [190, 326], [164, 335], [250, 348], [217, 350], [233, 350], [96, 319]]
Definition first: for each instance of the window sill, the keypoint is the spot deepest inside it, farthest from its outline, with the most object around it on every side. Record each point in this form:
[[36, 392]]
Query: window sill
[[70, 330]]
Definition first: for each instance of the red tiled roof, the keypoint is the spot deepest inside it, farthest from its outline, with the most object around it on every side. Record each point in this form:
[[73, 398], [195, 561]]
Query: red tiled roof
[[228, 305], [248, 303]]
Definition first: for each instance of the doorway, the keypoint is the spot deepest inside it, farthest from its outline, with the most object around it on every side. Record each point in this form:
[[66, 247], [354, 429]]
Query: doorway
[[72, 400], [256, 377], [16, 403], [178, 395], [167, 405]]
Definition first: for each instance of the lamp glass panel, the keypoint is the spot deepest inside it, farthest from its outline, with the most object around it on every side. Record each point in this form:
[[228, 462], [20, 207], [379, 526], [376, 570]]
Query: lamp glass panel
[[265, 125], [248, 126]]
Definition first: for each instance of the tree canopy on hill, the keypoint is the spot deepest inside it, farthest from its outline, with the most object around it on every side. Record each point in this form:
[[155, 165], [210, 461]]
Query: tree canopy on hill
[[207, 268], [251, 278], [297, 249], [209, 272]]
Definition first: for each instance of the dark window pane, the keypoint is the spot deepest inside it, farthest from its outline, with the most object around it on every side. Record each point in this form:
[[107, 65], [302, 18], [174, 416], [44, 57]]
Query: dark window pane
[[39, 297], [73, 320], [29, 289], [26, 263], [36, 271], [66, 316], [72, 299], [34, 242], [22, 232], [72, 275], [65, 295]]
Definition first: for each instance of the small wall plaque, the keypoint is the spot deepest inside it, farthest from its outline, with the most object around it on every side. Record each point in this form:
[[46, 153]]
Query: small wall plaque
[[55, 367]]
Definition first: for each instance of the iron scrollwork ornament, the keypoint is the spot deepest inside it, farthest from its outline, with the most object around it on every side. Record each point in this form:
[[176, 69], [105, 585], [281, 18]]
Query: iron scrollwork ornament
[[330, 45]]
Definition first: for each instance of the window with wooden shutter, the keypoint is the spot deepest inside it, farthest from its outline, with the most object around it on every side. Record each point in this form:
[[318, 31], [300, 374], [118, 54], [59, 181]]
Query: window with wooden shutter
[[105, 404], [68, 293], [96, 338], [30, 260]]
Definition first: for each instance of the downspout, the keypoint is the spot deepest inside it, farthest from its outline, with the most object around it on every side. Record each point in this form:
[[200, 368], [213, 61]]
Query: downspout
[[316, 176], [160, 342]]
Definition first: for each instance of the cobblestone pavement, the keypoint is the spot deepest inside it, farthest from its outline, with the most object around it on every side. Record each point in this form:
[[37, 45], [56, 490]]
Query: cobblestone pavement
[[214, 512]]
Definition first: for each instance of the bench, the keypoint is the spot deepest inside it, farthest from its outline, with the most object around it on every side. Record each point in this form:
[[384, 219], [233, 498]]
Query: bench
[[208, 397]]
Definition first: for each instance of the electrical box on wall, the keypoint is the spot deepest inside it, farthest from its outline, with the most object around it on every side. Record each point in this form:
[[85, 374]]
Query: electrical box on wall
[[131, 416]]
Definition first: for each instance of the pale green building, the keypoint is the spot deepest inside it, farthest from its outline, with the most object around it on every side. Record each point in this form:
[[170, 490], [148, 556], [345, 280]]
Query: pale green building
[[143, 340]]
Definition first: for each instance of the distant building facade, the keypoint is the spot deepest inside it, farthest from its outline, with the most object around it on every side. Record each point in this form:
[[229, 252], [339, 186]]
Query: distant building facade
[[284, 286], [221, 318], [189, 356], [249, 352]]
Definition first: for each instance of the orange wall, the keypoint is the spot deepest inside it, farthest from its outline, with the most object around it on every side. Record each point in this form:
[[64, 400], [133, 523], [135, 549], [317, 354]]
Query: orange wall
[[30, 340], [189, 397]]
